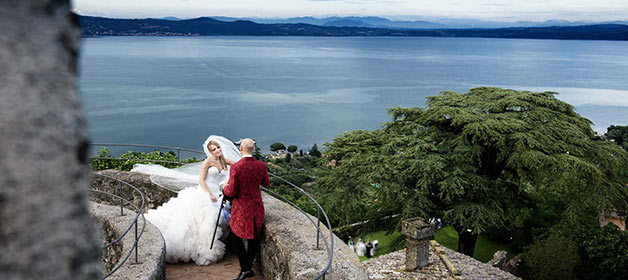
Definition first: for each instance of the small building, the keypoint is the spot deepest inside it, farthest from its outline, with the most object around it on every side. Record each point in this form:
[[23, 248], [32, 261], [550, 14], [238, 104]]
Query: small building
[[613, 217]]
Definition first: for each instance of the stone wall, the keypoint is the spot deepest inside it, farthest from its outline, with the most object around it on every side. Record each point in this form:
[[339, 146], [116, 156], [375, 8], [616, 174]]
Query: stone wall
[[45, 228], [154, 194], [289, 247], [152, 248]]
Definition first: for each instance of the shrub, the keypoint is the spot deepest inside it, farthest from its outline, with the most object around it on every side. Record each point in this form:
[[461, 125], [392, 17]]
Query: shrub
[[604, 250], [126, 161], [555, 257]]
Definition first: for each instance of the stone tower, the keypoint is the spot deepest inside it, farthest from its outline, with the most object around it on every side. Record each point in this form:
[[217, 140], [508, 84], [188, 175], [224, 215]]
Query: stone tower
[[45, 229]]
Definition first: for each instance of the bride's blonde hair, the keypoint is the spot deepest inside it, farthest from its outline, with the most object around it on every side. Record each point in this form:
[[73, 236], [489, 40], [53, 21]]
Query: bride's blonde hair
[[221, 158]]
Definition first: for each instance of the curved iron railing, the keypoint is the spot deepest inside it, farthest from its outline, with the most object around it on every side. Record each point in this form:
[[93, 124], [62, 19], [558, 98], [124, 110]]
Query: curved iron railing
[[138, 210], [329, 246]]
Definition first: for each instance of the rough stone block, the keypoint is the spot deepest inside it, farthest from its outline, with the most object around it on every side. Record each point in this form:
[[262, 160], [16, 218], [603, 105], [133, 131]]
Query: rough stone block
[[416, 228], [417, 253], [417, 234]]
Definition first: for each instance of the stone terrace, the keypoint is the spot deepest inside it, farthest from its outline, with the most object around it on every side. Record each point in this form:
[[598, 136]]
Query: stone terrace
[[443, 264]]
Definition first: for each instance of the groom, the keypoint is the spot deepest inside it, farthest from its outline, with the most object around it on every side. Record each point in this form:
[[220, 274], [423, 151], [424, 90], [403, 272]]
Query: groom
[[247, 212]]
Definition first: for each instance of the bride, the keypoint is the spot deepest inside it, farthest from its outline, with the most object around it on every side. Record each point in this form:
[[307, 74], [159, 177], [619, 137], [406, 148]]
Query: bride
[[187, 221]]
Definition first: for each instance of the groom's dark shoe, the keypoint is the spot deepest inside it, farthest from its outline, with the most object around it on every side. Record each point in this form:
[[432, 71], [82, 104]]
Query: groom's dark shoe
[[245, 274]]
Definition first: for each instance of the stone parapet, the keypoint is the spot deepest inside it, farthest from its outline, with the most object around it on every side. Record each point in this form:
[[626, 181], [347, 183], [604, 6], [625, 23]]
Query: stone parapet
[[443, 264], [155, 195], [152, 248], [288, 250]]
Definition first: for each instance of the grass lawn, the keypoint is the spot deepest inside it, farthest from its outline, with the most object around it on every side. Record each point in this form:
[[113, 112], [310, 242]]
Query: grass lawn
[[484, 249], [447, 236], [385, 241]]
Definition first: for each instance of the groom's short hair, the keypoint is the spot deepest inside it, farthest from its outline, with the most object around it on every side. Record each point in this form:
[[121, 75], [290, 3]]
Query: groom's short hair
[[247, 145]]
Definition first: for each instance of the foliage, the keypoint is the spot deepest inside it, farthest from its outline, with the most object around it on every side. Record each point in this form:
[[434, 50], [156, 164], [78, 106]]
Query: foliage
[[301, 152], [603, 250], [296, 164], [480, 160], [104, 159], [277, 146], [314, 151], [484, 250], [297, 177], [618, 133], [102, 164], [288, 158], [555, 257], [292, 148], [257, 154]]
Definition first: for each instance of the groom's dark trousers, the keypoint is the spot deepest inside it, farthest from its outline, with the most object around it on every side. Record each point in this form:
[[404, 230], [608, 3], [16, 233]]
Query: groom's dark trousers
[[245, 257], [247, 211]]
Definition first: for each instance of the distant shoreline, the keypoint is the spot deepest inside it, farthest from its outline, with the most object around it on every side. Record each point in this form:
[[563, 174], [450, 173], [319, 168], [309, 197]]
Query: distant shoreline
[[100, 27]]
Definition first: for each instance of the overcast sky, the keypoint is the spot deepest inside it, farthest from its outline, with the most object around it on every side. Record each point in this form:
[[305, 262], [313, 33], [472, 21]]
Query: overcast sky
[[503, 10]]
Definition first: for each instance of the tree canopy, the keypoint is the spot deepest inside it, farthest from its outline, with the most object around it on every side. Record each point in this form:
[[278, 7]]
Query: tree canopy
[[480, 160], [292, 148], [618, 133], [314, 151], [277, 146]]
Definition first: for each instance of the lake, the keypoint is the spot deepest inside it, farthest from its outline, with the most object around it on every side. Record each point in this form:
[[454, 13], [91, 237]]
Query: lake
[[303, 90]]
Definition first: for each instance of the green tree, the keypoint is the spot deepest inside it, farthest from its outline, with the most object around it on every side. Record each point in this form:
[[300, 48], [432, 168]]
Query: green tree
[[257, 154], [478, 160], [288, 158], [292, 148], [301, 152], [618, 133], [604, 252], [277, 146], [314, 151]]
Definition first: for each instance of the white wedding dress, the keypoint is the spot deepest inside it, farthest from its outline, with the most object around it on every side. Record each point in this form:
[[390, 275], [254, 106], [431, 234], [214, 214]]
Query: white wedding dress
[[187, 221]]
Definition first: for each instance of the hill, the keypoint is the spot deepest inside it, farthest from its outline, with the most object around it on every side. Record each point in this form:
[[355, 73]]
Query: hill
[[205, 26]]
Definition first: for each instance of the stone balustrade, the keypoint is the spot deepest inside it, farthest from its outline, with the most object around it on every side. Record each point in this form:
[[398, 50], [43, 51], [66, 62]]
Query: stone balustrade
[[152, 248]]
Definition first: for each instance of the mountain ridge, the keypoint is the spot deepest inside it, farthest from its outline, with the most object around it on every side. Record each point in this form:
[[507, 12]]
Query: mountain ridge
[[207, 26]]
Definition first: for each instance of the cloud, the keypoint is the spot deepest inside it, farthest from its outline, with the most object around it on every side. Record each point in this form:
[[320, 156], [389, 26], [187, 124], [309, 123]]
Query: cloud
[[586, 96]]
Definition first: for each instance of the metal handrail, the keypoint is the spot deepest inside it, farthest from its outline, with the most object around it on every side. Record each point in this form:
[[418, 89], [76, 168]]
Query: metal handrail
[[139, 211], [179, 149], [329, 246]]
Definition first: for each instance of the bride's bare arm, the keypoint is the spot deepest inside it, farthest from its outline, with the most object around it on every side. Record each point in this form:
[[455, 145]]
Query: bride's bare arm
[[203, 176]]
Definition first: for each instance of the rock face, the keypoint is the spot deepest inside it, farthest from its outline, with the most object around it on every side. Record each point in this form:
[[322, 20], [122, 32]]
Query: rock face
[[499, 258], [516, 266], [45, 228]]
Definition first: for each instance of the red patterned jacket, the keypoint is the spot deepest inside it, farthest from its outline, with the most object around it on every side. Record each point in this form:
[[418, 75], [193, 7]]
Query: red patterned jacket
[[247, 212]]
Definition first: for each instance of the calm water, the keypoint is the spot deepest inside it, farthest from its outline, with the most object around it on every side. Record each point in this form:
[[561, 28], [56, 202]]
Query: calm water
[[305, 90]]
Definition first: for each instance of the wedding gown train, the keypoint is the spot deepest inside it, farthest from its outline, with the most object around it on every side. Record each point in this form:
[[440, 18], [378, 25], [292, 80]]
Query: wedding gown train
[[187, 222]]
